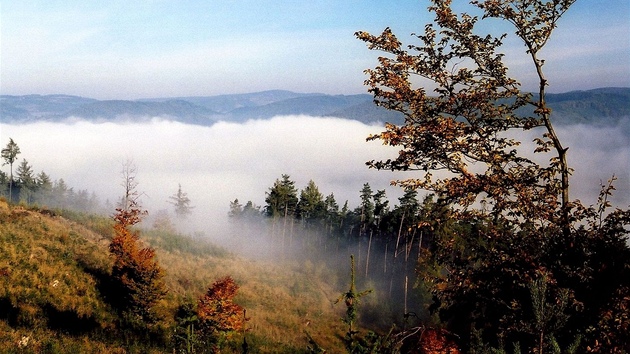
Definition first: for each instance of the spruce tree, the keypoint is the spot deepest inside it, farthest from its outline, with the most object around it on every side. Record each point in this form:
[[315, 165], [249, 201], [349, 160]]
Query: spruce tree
[[181, 202], [27, 181], [9, 154]]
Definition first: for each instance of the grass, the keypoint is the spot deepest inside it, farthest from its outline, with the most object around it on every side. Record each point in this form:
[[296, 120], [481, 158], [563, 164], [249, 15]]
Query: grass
[[54, 268]]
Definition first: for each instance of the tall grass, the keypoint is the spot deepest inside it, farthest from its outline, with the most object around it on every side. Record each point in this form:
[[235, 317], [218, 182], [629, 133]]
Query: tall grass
[[54, 269]]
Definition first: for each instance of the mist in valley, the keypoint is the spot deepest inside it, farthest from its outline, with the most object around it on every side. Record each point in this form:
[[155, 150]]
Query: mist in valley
[[216, 165]]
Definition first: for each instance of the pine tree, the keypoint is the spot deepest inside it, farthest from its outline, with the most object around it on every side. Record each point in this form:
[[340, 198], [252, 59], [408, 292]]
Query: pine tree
[[281, 204], [60, 193], [27, 181], [333, 217], [44, 188], [4, 182], [181, 202], [366, 209], [282, 199], [250, 211], [236, 209], [310, 207], [9, 154], [351, 300]]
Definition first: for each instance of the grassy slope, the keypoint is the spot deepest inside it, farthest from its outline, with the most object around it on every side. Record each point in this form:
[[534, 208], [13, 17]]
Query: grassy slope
[[52, 271]]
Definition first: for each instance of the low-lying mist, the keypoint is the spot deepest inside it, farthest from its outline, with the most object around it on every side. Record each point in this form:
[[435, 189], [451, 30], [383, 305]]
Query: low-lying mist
[[214, 165], [220, 163]]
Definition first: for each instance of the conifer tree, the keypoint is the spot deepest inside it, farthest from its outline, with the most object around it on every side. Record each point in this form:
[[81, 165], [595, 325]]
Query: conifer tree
[[44, 188], [60, 193], [366, 209], [9, 154], [181, 202], [282, 198], [27, 181], [333, 217], [281, 203], [351, 300], [251, 210], [310, 207], [4, 181], [236, 209]]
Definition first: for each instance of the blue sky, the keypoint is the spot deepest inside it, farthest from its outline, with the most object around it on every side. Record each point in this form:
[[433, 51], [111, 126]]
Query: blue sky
[[157, 48]]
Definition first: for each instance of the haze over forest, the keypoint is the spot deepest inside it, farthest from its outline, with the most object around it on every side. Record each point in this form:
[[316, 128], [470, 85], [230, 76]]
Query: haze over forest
[[123, 63], [223, 156], [245, 129]]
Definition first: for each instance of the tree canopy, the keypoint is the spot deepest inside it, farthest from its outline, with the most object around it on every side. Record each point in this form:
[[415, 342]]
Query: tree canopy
[[512, 254]]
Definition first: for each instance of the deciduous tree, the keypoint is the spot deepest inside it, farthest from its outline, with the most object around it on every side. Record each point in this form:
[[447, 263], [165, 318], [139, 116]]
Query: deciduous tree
[[217, 313], [502, 218], [137, 275]]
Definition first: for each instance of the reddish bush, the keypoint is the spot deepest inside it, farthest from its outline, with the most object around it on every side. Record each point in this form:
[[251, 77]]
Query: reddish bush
[[217, 311]]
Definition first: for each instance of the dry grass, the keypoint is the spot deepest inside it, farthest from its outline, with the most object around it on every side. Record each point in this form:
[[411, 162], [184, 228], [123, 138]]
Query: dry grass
[[51, 289]]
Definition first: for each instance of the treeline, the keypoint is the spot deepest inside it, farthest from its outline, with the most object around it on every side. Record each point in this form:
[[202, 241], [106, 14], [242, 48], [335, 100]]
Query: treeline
[[25, 186], [464, 269], [387, 240]]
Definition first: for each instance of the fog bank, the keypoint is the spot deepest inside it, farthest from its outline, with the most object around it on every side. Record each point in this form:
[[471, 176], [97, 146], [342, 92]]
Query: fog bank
[[218, 164], [214, 165]]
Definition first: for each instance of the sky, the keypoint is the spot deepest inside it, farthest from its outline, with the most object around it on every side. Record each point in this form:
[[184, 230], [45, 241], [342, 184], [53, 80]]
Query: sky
[[157, 48], [123, 49]]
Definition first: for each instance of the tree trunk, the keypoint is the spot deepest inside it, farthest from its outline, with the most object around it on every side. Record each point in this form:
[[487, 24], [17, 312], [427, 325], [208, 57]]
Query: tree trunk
[[367, 258], [399, 232]]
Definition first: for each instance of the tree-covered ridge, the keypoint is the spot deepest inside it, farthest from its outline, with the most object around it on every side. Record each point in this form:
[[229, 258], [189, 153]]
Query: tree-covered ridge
[[604, 106], [386, 237]]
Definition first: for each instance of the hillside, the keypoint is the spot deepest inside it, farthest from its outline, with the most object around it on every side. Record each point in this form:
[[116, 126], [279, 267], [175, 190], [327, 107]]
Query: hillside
[[605, 106], [54, 271], [601, 107]]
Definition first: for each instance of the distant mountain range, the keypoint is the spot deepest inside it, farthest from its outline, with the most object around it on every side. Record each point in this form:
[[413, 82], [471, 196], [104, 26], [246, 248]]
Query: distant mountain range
[[605, 106]]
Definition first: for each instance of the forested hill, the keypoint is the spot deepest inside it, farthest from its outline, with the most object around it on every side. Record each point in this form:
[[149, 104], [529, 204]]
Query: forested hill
[[604, 106]]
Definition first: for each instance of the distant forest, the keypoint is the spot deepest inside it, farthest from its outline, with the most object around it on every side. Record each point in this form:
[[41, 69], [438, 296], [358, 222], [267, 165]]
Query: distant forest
[[602, 107], [40, 189], [387, 240]]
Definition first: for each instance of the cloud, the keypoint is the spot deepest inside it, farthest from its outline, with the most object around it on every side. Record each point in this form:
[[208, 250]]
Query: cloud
[[214, 164], [218, 164], [597, 154]]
